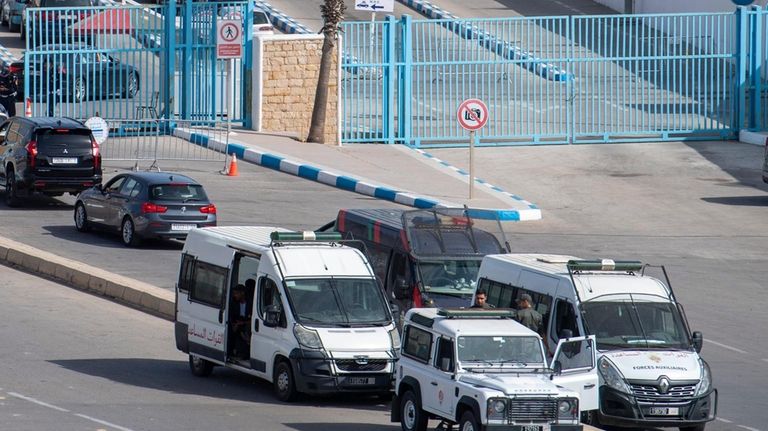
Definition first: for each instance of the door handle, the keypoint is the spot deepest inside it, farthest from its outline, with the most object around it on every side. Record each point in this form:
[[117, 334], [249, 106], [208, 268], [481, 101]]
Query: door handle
[[221, 315], [434, 383], [589, 386], [255, 325]]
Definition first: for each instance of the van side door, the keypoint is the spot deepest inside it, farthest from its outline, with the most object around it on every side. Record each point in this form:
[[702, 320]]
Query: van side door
[[268, 331], [204, 310], [577, 360]]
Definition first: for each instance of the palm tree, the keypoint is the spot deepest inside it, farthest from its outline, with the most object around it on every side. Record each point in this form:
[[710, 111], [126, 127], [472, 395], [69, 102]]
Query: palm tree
[[333, 13]]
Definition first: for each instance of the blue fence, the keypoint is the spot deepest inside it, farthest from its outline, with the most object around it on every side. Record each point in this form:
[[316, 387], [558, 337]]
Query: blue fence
[[556, 80], [136, 62]]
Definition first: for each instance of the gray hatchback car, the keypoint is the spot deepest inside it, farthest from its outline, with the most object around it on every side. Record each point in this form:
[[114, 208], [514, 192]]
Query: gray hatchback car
[[145, 205]]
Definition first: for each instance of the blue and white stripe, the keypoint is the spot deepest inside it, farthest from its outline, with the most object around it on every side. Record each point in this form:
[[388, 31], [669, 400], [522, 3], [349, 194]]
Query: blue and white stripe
[[345, 182], [530, 212], [498, 46], [282, 21]]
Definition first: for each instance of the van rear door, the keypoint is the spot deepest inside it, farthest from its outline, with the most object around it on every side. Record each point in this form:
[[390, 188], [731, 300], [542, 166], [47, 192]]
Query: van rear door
[[577, 359]]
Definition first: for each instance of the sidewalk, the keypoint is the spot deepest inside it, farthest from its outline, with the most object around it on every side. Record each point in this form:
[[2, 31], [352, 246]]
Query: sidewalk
[[392, 172]]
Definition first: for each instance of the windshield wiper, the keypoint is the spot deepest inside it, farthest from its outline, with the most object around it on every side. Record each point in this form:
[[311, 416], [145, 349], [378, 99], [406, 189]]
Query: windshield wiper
[[190, 199]]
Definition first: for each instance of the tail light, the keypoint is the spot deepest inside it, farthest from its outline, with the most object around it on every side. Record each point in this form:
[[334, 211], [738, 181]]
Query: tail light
[[31, 153], [49, 16], [266, 28], [15, 68], [149, 207], [96, 154], [208, 209]]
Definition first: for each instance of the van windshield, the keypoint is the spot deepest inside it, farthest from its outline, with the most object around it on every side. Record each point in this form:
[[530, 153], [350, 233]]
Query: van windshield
[[456, 277], [635, 325], [337, 302]]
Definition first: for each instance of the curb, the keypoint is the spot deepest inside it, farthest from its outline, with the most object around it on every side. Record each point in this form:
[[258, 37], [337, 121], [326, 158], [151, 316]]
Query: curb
[[464, 29], [346, 182], [136, 294], [282, 21], [754, 138]]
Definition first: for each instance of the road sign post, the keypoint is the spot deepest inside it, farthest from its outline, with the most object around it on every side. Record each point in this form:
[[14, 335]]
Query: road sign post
[[472, 115], [229, 46]]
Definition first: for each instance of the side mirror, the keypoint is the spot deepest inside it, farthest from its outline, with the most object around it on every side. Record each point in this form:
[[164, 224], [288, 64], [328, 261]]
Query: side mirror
[[446, 365], [272, 316], [401, 289], [565, 334], [698, 341], [395, 310]]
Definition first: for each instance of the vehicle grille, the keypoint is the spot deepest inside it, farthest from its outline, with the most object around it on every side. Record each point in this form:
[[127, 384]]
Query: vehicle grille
[[352, 365], [532, 410], [675, 394]]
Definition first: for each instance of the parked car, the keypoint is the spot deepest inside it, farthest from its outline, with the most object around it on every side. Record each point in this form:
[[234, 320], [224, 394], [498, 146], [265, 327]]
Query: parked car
[[12, 12], [49, 26], [47, 155], [82, 72], [145, 205]]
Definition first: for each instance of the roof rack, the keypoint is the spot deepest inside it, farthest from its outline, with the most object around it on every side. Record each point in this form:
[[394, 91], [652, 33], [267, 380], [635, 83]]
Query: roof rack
[[473, 313], [604, 265], [304, 236]]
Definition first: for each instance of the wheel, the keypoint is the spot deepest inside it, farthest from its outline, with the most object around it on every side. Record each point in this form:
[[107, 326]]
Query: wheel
[[79, 90], [200, 367], [468, 422], [128, 233], [412, 417], [11, 189], [285, 388], [81, 218], [699, 427], [132, 86]]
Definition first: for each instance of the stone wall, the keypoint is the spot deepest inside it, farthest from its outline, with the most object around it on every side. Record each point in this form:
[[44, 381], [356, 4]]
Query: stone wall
[[286, 68]]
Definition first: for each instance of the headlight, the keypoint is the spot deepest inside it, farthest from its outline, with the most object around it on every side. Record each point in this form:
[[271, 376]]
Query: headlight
[[568, 408], [497, 408], [308, 338], [611, 376], [706, 379], [394, 336]]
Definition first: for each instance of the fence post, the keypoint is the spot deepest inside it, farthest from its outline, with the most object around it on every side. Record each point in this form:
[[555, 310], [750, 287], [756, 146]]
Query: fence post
[[755, 68], [390, 78], [404, 95], [740, 101], [169, 43], [187, 71], [246, 77]]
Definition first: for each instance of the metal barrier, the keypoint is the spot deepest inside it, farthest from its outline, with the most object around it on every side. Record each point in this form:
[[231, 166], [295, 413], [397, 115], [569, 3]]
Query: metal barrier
[[158, 140], [135, 62], [555, 80]]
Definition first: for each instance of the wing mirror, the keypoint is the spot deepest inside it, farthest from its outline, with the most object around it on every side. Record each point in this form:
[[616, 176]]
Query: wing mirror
[[566, 334], [272, 316], [402, 289], [446, 365], [698, 341]]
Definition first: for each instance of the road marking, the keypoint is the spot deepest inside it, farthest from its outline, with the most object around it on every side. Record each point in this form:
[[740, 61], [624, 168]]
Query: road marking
[[99, 421], [724, 420], [766, 360], [747, 428], [725, 346], [38, 402]]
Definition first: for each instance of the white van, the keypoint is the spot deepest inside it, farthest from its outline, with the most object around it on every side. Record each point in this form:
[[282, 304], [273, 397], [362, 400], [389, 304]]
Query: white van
[[651, 374], [318, 322]]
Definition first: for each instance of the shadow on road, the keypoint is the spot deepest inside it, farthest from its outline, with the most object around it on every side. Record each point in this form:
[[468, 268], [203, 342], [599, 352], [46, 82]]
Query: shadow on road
[[174, 376], [37, 203], [105, 238], [747, 201], [336, 426]]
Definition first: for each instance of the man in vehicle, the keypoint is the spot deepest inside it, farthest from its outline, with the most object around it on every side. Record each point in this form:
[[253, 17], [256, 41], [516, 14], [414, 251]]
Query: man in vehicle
[[239, 318], [7, 92], [480, 298], [527, 315]]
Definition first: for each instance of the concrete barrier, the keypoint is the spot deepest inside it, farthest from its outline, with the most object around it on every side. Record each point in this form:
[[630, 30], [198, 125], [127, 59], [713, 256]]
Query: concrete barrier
[[134, 293]]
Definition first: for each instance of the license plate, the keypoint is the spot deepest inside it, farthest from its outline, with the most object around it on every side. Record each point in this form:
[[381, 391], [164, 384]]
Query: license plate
[[663, 411], [175, 226], [361, 380], [532, 428], [64, 160]]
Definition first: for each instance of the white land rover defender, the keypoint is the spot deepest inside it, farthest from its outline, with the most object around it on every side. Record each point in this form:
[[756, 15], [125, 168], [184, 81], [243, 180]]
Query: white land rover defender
[[481, 369]]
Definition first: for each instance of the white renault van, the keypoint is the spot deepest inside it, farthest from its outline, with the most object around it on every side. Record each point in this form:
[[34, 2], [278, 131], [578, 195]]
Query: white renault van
[[318, 322], [651, 374]]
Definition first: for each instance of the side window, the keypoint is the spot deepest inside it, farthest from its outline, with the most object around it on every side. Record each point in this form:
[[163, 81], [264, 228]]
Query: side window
[[127, 186], [186, 272], [499, 295], [114, 185], [269, 295], [417, 343], [208, 284], [565, 318], [13, 133], [400, 268], [136, 190], [444, 359], [379, 257]]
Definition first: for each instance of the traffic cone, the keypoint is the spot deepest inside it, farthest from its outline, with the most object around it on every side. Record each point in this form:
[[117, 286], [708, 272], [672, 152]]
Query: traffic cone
[[232, 169], [28, 107]]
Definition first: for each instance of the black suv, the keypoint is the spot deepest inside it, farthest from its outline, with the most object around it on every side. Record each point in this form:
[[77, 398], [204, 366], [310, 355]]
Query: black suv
[[48, 155]]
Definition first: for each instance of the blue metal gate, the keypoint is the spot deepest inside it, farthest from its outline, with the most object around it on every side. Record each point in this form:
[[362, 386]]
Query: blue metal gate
[[551, 80], [127, 62]]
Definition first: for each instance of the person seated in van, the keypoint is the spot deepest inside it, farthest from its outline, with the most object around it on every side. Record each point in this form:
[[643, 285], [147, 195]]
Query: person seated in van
[[527, 315], [480, 297], [239, 322]]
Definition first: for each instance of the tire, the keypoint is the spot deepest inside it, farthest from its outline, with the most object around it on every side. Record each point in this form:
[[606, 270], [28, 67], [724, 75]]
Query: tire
[[468, 422], [128, 233], [81, 218], [699, 427], [285, 387], [412, 417], [79, 90], [131, 86], [200, 367], [11, 189]]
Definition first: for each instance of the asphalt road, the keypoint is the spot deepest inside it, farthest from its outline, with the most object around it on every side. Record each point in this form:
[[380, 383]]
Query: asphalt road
[[74, 362]]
